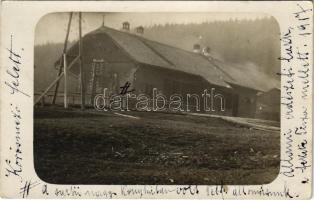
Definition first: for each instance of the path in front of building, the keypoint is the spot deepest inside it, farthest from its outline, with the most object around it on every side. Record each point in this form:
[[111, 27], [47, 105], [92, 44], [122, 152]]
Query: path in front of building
[[258, 124]]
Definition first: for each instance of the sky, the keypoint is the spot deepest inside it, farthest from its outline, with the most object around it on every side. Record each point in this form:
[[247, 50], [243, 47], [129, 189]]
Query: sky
[[52, 27]]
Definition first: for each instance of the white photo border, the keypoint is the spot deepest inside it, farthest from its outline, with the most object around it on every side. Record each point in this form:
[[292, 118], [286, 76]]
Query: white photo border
[[18, 22]]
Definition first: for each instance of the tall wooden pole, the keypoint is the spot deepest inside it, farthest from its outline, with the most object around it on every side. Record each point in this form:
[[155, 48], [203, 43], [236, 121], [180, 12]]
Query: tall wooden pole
[[81, 63], [65, 81], [64, 51], [93, 90]]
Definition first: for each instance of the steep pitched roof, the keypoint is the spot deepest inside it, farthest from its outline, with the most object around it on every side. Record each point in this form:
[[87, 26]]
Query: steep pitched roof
[[212, 70], [153, 53]]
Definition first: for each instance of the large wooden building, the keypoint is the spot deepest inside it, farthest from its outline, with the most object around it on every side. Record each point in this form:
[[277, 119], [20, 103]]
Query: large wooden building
[[115, 57]]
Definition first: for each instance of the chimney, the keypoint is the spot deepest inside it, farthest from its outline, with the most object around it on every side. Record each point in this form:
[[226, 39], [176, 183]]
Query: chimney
[[140, 30], [197, 48], [206, 51], [126, 26]]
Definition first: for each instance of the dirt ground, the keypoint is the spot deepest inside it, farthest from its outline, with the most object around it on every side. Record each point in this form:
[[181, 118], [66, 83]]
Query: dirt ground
[[88, 147]]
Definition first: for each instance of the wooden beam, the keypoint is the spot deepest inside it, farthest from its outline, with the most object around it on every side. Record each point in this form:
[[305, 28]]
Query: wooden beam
[[65, 81], [55, 81], [64, 51], [81, 64]]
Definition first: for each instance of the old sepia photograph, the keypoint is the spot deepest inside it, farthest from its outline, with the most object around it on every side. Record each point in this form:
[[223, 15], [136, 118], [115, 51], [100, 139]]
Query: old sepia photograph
[[157, 98]]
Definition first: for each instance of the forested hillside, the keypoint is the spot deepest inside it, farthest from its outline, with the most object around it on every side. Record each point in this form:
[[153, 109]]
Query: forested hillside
[[256, 41]]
